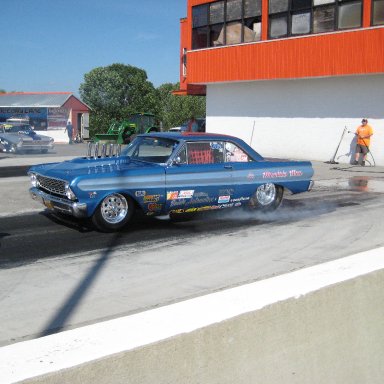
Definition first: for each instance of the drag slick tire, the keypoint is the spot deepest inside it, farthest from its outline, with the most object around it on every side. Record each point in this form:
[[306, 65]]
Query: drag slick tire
[[113, 213], [267, 197]]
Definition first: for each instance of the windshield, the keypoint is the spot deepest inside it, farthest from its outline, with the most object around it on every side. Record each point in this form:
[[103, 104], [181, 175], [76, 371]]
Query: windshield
[[151, 149]]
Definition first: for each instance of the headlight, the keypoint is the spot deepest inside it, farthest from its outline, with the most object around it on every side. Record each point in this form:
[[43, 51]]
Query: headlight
[[34, 181], [69, 193]]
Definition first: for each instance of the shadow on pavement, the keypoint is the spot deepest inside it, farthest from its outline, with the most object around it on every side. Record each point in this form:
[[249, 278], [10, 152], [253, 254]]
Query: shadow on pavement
[[59, 321]]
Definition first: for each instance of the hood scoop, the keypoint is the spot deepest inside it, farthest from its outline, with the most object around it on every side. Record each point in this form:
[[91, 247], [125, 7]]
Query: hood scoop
[[97, 151]]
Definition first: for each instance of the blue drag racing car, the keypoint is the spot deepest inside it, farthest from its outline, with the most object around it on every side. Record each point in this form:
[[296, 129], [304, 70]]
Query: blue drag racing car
[[161, 174]]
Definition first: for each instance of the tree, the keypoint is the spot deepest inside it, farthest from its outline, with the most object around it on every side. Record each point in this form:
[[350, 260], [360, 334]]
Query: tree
[[118, 90], [114, 92], [2, 91], [175, 110]]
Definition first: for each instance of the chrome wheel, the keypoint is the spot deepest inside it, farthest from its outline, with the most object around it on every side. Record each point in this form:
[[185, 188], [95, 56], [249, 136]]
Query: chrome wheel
[[114, 208], [267, 197], [266, 194]]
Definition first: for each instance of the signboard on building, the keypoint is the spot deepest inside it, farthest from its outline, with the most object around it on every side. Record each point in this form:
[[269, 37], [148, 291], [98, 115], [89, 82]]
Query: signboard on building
[[57, 118]]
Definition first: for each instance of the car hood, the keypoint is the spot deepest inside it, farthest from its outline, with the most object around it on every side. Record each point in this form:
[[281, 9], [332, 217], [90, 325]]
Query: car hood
[[81, 166], [16, 137]]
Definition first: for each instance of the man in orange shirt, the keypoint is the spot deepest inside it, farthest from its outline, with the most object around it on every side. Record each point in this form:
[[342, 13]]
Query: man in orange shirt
[[363, 133]]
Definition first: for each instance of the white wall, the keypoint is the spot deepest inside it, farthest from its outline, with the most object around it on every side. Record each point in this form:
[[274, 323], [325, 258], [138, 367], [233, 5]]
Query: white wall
[[322, 324], [300, 119], [58, 135]]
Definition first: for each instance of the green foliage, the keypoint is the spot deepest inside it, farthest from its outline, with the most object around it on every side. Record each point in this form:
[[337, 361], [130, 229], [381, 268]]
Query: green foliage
[[175, 110], [3, 91], [114, 92], [118, 90]]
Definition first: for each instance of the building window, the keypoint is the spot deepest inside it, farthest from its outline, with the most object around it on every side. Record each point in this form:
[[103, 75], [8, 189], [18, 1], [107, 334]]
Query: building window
[[350, 15], [303, 17], [226, 22], [324, 19], [378, 12]]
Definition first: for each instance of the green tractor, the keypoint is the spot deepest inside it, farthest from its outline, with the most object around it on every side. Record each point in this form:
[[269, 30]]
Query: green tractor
[[122, 132]]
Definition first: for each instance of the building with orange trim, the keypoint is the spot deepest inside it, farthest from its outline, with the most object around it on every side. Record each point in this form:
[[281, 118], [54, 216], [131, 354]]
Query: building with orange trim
[[287, 76]]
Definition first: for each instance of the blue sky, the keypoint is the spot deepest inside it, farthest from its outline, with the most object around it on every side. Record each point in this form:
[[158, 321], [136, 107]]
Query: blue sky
[[48, 45]]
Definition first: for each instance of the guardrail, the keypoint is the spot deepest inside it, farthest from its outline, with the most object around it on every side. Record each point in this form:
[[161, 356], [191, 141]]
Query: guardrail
[[322, 324]]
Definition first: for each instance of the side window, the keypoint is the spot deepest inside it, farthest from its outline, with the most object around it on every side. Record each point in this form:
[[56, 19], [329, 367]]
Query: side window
[[235, 154], [182, 155], [205, 152]]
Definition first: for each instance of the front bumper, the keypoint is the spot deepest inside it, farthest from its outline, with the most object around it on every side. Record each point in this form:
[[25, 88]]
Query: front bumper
[[78, 210]]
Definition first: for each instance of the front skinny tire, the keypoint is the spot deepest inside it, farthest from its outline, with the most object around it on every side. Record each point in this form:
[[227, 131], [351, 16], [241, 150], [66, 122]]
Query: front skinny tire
[[113, 213]]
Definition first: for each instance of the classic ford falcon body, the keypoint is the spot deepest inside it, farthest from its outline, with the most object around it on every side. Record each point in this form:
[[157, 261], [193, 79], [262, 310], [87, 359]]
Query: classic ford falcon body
[[166, 174], [20, 138]]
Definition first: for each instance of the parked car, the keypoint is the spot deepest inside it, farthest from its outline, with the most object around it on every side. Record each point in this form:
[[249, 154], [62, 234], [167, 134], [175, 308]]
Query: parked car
[[166, 174], [19, 138], [183, 128]]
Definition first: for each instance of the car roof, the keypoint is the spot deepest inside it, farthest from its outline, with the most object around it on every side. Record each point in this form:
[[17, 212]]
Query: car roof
[[203, 136], [198, 136]]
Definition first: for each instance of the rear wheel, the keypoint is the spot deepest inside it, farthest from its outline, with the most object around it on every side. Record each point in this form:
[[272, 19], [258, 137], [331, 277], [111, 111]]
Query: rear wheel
[[113, 213], [267, 197]]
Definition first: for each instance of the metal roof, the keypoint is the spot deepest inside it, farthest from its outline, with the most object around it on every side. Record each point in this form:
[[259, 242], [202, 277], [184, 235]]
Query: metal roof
[[49, 99]]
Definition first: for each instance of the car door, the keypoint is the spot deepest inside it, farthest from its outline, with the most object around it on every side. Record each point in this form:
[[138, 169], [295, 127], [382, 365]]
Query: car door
[[245, 173], [199, 179]]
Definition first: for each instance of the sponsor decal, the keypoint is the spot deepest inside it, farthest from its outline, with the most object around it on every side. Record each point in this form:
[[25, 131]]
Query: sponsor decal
[[186, 194], [189, 210], [251, 176], [294, 173], [140, 193], [274, 175], [228, 191], [175, 203], [281, 174], [154, 207], [222, 206], [224, 199], [92, 195], [204, 194], [177, 211], [151, 198], [202, 200], [239, 199], [199, 209], [172, 195]]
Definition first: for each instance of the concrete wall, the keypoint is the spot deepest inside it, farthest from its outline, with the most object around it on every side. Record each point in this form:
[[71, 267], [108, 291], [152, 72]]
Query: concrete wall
[[300, 118], [322, 324]]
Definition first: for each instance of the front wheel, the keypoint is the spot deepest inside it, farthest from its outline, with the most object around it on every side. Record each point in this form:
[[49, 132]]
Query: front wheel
[[113, 213], [267, 197]]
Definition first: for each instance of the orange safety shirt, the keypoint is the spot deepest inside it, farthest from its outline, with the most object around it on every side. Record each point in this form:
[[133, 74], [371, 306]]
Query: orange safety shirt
[[364, 130]]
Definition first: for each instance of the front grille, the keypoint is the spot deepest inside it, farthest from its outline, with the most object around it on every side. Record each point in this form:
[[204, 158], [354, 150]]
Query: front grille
[[51, 185]]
